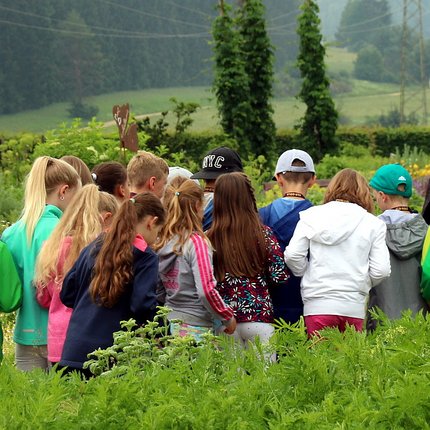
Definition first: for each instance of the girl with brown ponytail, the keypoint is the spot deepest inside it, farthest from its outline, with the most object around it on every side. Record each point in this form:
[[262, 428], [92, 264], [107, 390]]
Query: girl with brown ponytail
[[247, 258], [186, 274], [114, 279]]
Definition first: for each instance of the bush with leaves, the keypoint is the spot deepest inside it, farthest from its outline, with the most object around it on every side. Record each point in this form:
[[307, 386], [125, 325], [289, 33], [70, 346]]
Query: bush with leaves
[[89, 143], [79, 109]]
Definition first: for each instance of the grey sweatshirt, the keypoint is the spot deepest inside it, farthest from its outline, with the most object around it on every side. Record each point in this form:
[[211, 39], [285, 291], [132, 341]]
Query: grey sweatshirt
[[187, 284], [401, 291]]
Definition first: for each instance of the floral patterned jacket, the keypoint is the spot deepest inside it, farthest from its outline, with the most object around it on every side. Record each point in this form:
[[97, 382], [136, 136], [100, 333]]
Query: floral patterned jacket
[[249, 297]]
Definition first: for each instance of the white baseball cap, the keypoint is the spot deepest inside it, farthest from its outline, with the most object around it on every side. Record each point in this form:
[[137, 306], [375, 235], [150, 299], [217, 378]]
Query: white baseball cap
[[176, 171], [285, 162]]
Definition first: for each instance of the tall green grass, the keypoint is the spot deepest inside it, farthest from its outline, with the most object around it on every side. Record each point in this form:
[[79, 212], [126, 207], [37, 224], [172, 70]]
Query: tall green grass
[[343, 381]]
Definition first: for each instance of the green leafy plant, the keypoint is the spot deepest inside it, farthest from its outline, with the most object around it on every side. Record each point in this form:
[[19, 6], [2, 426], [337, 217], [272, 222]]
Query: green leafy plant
[[341, 380], [88, 143]]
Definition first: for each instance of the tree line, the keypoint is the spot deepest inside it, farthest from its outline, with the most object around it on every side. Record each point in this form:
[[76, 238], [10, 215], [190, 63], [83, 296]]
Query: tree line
[[65, 50]]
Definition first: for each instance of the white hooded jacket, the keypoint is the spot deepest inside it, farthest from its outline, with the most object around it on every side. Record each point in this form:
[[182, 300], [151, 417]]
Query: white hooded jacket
[[347, 256]]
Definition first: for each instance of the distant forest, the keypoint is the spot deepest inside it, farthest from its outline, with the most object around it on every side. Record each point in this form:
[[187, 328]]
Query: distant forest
[[65, 50]]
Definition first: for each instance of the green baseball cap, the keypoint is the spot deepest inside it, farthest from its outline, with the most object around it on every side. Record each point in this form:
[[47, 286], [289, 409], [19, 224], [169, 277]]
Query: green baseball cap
[[388, 178]]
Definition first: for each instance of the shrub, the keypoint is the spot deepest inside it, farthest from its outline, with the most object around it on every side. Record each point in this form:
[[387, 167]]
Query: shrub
[[369, 64], [88, 143], [78, 109]]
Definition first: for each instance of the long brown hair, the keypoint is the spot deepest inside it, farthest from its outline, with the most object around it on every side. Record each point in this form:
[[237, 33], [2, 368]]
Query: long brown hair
[[113, 268], [236, 233], [351, 186], [81, 220], [182, 199]]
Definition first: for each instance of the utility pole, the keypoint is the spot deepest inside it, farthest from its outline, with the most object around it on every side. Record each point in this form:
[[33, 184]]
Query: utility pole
[[412, 19]]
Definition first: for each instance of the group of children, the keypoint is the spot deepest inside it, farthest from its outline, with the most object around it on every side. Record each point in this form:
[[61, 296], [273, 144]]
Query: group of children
[[92, 249]]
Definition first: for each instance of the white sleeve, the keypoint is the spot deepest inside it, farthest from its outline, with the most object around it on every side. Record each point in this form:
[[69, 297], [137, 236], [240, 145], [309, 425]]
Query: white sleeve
[[296, 253], [379, 257]]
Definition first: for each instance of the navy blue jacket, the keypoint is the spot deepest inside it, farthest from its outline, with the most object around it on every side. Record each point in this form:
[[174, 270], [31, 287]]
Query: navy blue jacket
[[92, 325], [208, 216], [282, 217]]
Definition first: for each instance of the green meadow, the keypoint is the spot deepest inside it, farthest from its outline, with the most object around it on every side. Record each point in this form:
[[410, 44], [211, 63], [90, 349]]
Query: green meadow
[[364, 100]]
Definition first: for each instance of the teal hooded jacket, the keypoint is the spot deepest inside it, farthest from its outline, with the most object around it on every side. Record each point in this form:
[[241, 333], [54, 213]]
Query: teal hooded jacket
[[32, 319]]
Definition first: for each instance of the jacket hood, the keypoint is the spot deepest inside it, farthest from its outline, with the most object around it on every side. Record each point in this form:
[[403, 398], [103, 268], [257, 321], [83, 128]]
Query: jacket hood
[[282, 217], [406, 239], [332, 222], [167, 256]]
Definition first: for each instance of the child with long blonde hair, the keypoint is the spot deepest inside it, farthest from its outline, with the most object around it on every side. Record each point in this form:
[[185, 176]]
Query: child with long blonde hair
[[186, 273], [339, 249], [50, 186], [114, 279], [247, 258], [88, 214]]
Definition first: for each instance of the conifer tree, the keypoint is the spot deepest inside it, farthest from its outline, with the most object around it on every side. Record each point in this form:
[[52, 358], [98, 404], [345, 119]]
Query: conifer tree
[[258, 56], [244, 77], [319, 124], [231, 84]]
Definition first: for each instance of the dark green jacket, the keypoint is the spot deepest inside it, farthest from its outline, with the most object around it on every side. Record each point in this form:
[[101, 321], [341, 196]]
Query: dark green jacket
[[10, 286]]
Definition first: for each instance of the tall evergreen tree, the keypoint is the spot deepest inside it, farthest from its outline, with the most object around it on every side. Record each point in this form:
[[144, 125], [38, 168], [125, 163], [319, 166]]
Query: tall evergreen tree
[[231, 84], [319, 124], [257, 53]]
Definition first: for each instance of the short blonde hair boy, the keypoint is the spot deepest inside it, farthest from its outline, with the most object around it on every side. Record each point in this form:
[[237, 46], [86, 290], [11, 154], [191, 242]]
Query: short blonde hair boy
[[144, 166]]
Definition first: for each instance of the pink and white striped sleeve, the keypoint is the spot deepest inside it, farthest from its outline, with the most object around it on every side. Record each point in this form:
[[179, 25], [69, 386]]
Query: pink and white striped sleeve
[[205, 280]]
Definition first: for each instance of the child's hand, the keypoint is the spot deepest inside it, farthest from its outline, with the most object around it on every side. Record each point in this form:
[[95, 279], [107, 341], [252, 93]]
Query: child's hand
[[231, 326]]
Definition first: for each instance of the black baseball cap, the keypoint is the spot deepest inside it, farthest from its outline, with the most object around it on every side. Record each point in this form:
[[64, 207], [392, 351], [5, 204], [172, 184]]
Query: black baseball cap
[[217, 162]]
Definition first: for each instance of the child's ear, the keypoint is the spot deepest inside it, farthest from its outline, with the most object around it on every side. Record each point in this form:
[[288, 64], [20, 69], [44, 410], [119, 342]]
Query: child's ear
[[279, 179], [152, 221], [313, 180], [106, 219], [62, 191], [151, 182], [120, 191]]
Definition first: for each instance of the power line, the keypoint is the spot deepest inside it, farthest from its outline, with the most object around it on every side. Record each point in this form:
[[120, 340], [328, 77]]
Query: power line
[[375, 18], [206, 15], [377, 28], [141, 12], [280, 27], [284, 15], [368, 30], [126, 36], [76, 24]]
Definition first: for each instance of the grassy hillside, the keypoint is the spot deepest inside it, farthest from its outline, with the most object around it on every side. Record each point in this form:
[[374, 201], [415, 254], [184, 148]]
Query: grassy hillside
[[366, 99]]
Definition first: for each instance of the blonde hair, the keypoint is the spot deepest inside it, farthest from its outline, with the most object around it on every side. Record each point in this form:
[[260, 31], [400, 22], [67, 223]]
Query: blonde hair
[[82, 221], [182, 199], [351, 186], [143, 166], [80, 167], [45, 176]]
